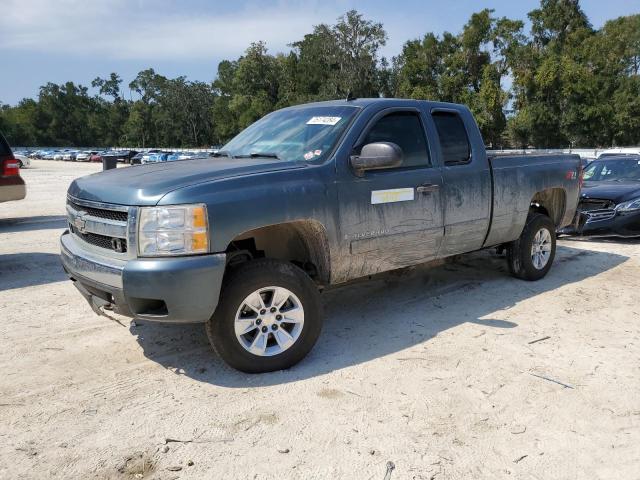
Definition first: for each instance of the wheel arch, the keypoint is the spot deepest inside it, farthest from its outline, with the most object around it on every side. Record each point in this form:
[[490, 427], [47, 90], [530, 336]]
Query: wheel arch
[[303, 242], [551, 202]]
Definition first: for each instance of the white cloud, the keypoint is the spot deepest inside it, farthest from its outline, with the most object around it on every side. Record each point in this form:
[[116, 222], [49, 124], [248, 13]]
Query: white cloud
[[120, 29]]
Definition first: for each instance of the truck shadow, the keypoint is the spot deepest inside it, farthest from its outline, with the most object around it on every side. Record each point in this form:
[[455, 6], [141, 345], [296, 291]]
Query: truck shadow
[[615, 240], [26, 269], [26, 224], [392, 312]]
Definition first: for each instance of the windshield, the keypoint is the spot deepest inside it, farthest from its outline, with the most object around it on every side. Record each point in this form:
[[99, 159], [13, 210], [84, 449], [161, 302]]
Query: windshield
[[299, 135], [627, 169]]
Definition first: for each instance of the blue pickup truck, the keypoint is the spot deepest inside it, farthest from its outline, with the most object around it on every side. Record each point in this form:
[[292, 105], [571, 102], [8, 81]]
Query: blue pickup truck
[[308, 196]]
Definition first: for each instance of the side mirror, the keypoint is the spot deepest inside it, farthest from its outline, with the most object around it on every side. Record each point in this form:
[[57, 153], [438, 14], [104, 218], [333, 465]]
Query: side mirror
[[377, 156]]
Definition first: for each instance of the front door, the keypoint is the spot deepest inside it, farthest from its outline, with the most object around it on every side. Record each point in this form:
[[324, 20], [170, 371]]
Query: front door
[[391, 218]]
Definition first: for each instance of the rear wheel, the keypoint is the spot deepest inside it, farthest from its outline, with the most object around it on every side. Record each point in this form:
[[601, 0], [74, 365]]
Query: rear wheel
[[530, 257], [269, 317]]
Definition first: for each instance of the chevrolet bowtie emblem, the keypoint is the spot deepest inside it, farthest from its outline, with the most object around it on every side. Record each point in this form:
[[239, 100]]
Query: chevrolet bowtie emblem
[[79, 222]]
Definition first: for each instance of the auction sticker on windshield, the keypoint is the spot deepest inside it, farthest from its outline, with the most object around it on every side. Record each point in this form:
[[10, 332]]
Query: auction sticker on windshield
[[324, 120]]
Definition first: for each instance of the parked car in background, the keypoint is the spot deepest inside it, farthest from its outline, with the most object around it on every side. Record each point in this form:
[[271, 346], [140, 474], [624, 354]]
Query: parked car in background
[[70, 156], [147, 154], [610, 198], [85, 156], [12, 186], [612, 152], [96, 157], [49, 154], [180, 156], [23, 160], [137, 158], [156, 157], [22, 153], [59, 156], [125, 155], [201, 155]]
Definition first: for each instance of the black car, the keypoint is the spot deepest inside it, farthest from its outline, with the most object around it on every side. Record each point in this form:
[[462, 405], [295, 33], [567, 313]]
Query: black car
[[610, 198], [125, 155], [137, 158]]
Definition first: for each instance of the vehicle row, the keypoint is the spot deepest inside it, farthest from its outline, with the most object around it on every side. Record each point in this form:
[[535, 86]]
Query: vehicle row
[[132, 157], [71, 155]]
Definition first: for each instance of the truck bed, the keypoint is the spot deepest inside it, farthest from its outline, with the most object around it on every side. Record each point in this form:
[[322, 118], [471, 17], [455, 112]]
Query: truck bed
[[515, 177]]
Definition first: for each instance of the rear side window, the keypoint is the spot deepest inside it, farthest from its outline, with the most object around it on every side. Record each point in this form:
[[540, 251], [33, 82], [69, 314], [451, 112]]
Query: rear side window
[[454, 141], [405, 130], [4, 147]]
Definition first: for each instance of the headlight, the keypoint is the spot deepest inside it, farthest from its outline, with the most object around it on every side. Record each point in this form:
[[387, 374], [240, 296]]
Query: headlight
[[629, 206], [173, 230]]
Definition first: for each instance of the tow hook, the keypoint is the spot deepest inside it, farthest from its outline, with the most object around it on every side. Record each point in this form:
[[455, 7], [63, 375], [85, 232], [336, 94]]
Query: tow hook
[[97, 304]]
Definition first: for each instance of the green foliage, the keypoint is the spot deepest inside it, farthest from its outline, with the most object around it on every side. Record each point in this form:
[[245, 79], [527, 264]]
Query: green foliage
[[562, 83]]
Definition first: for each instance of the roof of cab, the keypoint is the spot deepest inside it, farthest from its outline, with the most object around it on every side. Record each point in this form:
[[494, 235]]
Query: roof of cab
[[365, 102]]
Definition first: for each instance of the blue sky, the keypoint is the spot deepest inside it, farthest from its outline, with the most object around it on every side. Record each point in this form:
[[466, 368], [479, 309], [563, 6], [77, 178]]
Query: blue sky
[[60, 40]]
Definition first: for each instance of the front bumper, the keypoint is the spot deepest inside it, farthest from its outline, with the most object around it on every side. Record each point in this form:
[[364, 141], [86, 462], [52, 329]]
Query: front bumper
[[12, 188], [173, 290], [618, 225]]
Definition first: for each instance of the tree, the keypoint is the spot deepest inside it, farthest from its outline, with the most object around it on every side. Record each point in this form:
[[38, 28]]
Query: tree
[[337, 60], [545, 73], [460, 68], [142, 127], [110, 116], [109, 87], [357, 42]]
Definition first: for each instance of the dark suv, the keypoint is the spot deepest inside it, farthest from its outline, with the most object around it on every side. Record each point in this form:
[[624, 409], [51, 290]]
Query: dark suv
[[12, 185]]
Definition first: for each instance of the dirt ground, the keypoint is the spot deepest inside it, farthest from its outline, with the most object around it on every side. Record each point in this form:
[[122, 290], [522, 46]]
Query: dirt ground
[[455, 372]]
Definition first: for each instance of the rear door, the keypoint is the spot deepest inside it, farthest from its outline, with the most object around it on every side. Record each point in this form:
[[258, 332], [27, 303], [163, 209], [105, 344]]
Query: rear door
[[466, 176], [391, 218]]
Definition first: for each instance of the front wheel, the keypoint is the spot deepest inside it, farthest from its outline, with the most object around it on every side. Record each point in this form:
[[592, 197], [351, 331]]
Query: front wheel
[[530, 257], [269, 317]]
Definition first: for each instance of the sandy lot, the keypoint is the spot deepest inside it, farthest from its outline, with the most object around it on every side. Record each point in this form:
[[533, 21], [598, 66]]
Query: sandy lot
[[435, 370]]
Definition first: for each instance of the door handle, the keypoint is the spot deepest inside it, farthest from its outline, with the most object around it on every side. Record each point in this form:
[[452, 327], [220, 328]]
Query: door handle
[[427, 188]]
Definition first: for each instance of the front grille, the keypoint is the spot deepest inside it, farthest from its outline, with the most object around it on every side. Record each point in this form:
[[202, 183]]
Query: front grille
[[100, 240], [597, 215], [100, 213], [597, 209], [99, 226]]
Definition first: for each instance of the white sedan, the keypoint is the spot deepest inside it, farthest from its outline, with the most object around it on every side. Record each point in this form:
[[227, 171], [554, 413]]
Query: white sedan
[[23, 161]]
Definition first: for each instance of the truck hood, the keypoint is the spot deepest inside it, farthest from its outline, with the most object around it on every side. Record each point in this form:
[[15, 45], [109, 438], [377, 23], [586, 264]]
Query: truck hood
[[147, 184], [615, 191]]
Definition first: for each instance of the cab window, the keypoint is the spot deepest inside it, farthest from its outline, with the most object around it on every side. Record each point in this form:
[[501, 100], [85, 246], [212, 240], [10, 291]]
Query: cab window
[[405, 130], [454, 141]]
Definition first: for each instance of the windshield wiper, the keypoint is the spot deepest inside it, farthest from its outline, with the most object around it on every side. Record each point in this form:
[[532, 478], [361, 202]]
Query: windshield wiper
[[223, 153], [259, 155]]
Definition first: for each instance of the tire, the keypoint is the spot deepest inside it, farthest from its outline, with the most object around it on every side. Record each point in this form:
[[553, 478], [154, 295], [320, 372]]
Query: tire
[[20, 164], [286, 343], [520, 255]]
